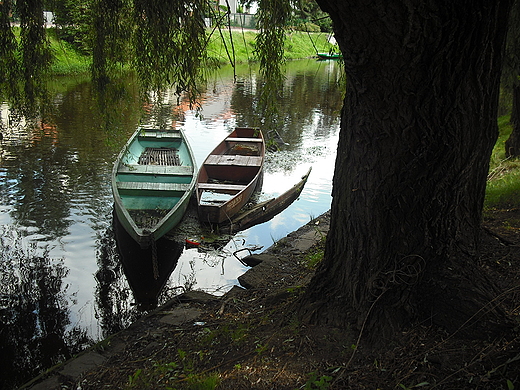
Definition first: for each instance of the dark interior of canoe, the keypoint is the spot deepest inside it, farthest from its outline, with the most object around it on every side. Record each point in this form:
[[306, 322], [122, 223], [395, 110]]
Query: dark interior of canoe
[[233, 169]]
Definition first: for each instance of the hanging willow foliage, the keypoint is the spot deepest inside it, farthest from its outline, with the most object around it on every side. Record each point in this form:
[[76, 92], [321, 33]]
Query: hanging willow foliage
[[170, 42], [24, 64], [170, 39], [111, 29], [272, 21], [163, 41], [8, 63]]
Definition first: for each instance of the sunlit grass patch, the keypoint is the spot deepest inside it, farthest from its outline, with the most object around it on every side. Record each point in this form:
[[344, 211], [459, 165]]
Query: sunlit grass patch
[[315, 255], [66, 59], [298, 45], [498, 154], [503, 187], [504, 191]]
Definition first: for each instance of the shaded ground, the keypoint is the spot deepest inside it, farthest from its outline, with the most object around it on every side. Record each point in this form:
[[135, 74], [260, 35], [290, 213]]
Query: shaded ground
[[249, 339]]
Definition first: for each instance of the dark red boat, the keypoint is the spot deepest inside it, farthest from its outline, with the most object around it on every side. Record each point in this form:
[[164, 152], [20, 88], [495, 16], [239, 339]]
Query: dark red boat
[[229, 175]]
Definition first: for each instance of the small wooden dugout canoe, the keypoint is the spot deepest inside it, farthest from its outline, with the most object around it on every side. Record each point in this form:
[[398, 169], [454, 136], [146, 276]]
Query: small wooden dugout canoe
[[229, 175], [153, 179], [266, 210]]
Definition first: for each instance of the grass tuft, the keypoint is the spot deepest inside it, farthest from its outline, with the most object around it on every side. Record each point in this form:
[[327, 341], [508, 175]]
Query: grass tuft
[[503, 184]]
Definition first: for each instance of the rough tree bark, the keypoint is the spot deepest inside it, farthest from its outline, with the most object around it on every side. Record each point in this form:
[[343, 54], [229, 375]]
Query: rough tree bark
[[418, 126]]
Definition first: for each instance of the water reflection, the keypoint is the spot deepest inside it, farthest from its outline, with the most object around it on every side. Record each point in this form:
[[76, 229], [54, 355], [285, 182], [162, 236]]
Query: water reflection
[[113, 296], [147, 270], [59, 249], [34, 314], [41, 198]]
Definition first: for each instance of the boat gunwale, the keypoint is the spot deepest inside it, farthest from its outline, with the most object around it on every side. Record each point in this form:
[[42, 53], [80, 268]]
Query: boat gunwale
[[143, 235], [249, 186]]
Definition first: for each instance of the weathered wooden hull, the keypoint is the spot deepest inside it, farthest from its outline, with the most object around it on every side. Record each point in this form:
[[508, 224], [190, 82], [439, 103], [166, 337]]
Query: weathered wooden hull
[[229, 175], [152, 182], [265, 211]]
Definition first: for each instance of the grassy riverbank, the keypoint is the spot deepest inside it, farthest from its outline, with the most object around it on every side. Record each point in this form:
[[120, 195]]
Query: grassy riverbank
[[251, 339], [504, 174], [237, 46], [298, 45], [67, 60]]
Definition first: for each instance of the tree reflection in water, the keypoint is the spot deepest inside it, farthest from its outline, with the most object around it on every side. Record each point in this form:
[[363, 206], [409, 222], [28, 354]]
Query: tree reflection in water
[[126, 284], [113, 297], [35, 325]]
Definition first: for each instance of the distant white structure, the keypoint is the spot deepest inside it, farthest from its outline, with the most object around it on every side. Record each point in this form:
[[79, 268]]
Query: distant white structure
[[234, 5], [230, 4], [49, 18], [244, 19]]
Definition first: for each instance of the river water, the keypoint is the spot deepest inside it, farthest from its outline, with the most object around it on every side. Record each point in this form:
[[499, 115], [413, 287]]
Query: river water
[[61, 253]]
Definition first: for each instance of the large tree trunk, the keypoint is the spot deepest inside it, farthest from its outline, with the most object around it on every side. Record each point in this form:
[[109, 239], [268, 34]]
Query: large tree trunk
[[418, 127]]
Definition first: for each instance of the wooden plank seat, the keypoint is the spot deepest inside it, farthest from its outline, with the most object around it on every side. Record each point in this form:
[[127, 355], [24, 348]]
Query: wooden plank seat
[[138, 185], [231, 139], [177, 170], [235, 160], [221, 187], [160, 134]]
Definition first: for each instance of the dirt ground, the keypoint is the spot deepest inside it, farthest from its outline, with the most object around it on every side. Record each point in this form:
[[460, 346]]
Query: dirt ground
[[251, 339]]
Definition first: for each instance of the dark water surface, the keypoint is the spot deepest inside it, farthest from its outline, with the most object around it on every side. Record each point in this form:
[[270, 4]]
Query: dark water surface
[[63, 286]]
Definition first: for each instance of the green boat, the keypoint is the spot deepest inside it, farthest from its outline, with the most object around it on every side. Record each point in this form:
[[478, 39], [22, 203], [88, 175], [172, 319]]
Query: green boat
[[152, 182], [329, 56]]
